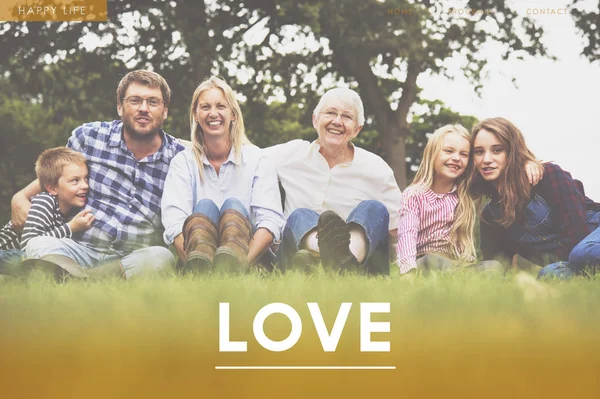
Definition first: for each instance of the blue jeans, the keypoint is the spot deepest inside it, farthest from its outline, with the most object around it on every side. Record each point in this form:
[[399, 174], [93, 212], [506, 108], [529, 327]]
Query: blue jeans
[[139, 261], [534, 235], [209, 209], [371, 215], [586, 253], [10, 260]]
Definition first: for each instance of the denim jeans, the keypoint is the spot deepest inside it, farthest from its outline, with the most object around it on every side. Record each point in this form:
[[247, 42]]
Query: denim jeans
[[10, 261], [534, 235], [536, 238], [209, 209], [139, 261], [586, 253], [371, 215]]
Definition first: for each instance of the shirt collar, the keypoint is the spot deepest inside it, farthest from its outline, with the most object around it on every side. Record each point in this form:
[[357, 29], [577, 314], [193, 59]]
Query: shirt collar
[[315, 147], [166, 151], [231, 158], [431, 195]]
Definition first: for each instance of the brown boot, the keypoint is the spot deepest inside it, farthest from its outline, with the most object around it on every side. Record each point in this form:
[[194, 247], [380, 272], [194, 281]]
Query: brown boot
[[235, 233], [58, 266], [199, 242]]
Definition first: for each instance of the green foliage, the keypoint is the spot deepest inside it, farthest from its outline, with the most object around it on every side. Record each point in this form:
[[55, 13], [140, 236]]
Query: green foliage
[[288, 52], [588, 23]]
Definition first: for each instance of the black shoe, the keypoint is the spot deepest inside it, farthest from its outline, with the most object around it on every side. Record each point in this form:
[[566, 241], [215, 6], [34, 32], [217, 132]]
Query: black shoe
[[333, 236], [305, 260]]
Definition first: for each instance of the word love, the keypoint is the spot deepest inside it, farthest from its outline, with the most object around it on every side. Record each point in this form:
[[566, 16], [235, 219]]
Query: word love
[[329, 339]]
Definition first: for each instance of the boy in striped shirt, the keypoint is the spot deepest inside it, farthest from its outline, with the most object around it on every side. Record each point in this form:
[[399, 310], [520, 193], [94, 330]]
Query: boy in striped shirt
[[63, 176]]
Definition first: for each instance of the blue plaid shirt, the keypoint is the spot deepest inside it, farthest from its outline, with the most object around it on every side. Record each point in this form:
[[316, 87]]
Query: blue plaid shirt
[[124, 193]]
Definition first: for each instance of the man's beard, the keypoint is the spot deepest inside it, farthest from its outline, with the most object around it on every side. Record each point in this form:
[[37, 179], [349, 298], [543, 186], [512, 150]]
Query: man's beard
[[137, 134]]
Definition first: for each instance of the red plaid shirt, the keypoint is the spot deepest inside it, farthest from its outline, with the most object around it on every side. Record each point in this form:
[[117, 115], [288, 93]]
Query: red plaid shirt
[[567, 201]]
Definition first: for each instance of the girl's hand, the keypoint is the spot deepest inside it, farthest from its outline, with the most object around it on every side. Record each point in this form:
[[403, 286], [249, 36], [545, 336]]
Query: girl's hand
[[534, 172]]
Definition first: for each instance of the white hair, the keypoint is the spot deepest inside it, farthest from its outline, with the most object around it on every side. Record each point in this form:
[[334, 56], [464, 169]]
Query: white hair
[[348, 97]]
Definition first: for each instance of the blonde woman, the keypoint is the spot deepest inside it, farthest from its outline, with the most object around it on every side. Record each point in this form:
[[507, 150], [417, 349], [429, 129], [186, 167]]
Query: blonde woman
[[221, 206]]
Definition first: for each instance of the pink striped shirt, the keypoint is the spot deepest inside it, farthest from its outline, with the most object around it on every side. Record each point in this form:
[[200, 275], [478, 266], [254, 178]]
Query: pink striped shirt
[[424, 227]]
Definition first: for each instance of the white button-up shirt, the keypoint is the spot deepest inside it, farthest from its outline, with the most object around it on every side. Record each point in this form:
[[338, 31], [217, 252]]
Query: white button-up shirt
[[253, 183], [308, 181]]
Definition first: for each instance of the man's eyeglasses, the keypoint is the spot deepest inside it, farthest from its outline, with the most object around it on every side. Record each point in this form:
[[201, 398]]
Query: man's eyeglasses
[[346, 118], [136, 101]]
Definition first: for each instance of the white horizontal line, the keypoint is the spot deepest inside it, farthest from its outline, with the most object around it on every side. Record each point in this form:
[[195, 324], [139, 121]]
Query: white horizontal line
[[305, 367]]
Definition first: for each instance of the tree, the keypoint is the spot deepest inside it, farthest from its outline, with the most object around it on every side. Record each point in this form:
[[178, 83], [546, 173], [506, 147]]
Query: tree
[[288, 50], [588, 23]]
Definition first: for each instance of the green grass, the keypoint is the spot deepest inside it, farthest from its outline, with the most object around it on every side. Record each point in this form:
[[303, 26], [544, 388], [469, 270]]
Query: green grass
[[474, 326]]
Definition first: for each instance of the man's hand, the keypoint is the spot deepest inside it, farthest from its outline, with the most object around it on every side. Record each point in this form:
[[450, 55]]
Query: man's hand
[[19, 211], [82, 221], [20, 204]]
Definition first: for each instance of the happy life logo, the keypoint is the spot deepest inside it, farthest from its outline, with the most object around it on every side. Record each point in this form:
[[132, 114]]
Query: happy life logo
[[53, 10]]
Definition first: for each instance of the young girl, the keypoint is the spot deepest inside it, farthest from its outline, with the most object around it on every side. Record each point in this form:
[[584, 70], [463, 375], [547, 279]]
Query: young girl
[[438, 214], [549, 224]]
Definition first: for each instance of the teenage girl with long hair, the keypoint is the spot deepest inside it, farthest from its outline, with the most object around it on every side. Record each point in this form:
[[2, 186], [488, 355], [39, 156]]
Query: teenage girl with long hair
[[552, 224]]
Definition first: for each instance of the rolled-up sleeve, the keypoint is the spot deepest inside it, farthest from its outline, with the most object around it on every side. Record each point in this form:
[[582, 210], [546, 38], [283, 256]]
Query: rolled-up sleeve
[[266, 199], [178, 197]]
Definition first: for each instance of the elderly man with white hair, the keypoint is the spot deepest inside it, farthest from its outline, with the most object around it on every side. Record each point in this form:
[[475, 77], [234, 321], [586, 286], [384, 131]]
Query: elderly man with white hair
[[341, 201]]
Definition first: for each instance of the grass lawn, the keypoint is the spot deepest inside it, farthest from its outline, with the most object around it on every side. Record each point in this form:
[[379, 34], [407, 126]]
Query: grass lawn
[[452, 335]]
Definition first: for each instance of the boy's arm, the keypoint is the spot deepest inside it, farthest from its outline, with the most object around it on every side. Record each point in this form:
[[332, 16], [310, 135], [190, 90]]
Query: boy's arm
[[21, 202], [40, 221]]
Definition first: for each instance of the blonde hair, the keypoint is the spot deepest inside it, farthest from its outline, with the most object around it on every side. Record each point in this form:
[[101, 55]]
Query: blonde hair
[[50, 164], [237, 132], [462, 230], [513, 189]]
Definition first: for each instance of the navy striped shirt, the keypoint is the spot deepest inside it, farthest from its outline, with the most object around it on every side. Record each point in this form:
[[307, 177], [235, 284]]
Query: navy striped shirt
[[44, 219]]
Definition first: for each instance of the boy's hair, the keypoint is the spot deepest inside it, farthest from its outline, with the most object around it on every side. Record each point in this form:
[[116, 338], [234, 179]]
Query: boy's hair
[[513, 188], [50, 164], [462, 230], [146, 78]]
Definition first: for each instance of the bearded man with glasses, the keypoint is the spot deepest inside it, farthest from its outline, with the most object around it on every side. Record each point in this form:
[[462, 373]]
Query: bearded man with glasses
[[128, 161]]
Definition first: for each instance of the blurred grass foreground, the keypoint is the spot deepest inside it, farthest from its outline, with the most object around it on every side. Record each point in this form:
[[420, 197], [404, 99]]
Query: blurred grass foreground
[[452, 335]]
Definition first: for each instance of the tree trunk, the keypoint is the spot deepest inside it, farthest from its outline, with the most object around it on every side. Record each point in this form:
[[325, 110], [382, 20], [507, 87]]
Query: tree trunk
[[392, 136], [193, 21]]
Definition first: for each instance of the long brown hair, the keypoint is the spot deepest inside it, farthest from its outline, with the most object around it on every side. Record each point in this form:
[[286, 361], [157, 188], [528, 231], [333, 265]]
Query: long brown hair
[[513, 188]]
